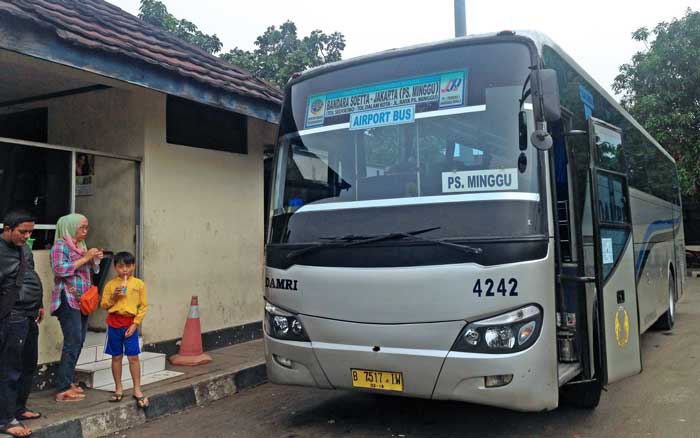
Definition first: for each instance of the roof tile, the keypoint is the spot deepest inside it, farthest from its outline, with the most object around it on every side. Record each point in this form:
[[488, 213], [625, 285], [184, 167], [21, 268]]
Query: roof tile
[[99, 25]]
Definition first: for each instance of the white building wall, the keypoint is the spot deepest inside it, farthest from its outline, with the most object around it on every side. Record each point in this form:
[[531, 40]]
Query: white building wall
[[202, 209], [203, 230]]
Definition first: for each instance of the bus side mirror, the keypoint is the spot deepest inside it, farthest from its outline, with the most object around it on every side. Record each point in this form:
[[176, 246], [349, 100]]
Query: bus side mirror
[[541, 140], [522, 131], [548, 94]]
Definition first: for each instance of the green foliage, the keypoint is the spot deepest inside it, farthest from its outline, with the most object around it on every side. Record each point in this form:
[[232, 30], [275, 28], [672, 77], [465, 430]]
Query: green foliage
[[280, 53], [155, 13], [660, 87]]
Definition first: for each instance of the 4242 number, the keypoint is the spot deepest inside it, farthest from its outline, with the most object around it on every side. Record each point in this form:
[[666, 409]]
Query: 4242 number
[[491, 289]]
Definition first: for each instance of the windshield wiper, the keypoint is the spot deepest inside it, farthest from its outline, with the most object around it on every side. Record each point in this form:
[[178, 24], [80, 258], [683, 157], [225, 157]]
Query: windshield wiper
[[350, 239], [391, 236], [373, 238], [354, 240]]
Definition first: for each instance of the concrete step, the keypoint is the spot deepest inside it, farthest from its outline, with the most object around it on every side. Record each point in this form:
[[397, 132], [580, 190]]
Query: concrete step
[[145, 380], [93, 348], [96, 374], [234, 368], [94, 338]]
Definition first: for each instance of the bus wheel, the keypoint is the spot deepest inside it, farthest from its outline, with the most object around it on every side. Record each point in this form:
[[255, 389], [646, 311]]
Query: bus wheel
[[666, 321], [582, 395]]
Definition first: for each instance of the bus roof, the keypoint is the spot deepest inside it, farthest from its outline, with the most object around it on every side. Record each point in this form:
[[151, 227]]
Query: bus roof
[[543, 41], [409, 50], [533, 38]]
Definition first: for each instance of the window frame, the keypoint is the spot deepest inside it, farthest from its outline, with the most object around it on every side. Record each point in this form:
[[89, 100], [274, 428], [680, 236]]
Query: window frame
[[74, 152]]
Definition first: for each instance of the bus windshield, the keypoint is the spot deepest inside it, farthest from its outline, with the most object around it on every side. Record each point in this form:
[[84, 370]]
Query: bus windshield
[[432, 146]]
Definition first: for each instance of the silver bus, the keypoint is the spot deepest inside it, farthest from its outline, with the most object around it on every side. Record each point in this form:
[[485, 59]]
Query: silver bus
[[472, 220]]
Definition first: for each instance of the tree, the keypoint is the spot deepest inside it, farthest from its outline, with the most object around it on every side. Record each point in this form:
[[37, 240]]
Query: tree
[[660, 87], [280, 53], [155, 13]]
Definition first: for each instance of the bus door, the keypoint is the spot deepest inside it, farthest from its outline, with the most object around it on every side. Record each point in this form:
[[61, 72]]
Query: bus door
[[612, 258]]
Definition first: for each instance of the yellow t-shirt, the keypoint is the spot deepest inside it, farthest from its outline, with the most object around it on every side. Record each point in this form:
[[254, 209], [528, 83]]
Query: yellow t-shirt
[[134, 303]]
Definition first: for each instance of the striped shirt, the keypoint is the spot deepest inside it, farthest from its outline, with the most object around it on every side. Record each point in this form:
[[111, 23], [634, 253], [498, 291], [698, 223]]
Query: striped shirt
[[74, 282]]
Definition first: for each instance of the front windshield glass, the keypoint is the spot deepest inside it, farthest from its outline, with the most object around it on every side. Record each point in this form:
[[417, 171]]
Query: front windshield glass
[[434, 148]]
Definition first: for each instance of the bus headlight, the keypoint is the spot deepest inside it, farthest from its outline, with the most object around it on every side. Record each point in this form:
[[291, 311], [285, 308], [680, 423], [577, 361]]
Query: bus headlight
[[506, 333], [499, 337], [283, 325]]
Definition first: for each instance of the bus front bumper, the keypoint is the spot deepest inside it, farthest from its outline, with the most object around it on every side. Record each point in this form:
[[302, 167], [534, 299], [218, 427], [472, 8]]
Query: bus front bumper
[[293, 363], [427, 373], [534, 385]]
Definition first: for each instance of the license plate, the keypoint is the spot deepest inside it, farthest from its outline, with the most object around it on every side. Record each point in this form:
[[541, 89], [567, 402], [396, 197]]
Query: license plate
[[383, 380]]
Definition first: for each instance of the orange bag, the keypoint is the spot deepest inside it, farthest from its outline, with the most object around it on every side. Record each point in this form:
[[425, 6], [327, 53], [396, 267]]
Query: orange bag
[[89, 300]]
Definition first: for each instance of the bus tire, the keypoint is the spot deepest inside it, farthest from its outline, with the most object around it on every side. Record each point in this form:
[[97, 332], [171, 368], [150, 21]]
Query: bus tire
[[668, 319]]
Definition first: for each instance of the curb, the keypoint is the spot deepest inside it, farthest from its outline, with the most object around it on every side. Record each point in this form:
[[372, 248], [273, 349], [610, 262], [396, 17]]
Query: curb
[[122, 417]]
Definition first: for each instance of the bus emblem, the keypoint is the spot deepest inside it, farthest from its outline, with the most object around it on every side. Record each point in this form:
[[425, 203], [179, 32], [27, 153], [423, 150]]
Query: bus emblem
[[452, 85], [316, 106], [622, 327], [280, 283]]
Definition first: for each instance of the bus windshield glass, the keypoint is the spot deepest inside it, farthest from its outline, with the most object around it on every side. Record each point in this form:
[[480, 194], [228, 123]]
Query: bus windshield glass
[[430, 139]]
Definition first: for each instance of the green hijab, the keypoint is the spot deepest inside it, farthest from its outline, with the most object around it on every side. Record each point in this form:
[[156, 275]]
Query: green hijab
[[66, 229]]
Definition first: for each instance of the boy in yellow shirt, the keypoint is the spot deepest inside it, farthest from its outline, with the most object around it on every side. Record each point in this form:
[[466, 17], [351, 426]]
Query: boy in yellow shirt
[[124, 298]]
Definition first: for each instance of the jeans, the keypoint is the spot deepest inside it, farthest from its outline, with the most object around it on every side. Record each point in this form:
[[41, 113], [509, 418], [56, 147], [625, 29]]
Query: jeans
[[13, 332], [30, 356], [74, 328]]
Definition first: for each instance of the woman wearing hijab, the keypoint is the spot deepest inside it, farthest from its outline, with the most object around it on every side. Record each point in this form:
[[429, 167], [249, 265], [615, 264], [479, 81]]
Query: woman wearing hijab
[[72, 264]]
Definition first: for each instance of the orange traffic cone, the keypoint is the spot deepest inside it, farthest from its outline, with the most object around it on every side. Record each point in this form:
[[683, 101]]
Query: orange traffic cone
[[191, 352]]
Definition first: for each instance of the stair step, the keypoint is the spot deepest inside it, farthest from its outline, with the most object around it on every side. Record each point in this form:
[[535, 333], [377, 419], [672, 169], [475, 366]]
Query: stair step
[[94, 338], [99, 373], [145, 380], [88, 355], [94, 352]]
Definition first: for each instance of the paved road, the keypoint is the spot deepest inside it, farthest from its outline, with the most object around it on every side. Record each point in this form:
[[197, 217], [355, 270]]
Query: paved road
[[663, 401]]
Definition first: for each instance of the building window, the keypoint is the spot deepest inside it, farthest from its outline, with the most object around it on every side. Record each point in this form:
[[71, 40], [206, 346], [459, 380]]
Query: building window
[[37, 180], [193, 124], [31, 125]]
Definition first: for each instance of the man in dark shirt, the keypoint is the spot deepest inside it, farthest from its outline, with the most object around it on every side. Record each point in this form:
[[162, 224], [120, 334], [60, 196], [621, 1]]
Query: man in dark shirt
[[30, 304], [15, 262]]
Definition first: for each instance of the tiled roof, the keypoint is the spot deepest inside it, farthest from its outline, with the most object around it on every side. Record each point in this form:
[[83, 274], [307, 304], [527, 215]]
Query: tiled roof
[[98, 25]]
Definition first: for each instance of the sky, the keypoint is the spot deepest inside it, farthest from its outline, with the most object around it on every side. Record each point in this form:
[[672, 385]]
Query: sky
[[595, 33]]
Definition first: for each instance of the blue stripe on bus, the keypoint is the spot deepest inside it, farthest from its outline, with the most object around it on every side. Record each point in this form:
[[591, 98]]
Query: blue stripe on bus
[[654, 227]]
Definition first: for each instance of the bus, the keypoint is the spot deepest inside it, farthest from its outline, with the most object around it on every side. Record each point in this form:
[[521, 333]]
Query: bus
[[473, 220]]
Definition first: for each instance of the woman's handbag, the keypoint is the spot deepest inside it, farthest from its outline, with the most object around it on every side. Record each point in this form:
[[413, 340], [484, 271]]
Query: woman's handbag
[[89, 300]]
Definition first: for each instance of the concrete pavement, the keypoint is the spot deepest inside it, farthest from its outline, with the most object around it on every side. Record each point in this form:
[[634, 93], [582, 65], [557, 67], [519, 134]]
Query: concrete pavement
[[233, 368]]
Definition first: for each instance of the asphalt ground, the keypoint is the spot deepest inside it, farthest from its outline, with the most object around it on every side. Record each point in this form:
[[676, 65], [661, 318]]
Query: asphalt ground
[[663, 401]]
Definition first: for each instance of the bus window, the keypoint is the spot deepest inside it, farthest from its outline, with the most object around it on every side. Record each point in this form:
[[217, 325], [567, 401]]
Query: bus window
[[448, 141], [316, 172], [387, 163], [609, 152], [611, 199]]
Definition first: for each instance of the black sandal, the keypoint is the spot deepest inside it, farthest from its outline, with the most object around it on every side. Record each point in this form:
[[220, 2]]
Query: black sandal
[[23, 418], [116, 397], [5, 429], [142, 402]]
